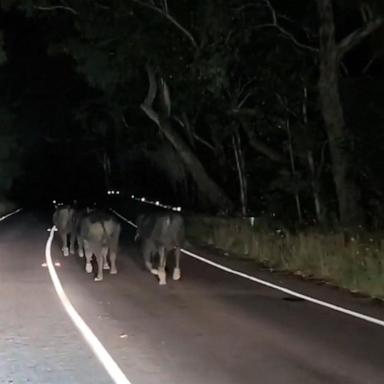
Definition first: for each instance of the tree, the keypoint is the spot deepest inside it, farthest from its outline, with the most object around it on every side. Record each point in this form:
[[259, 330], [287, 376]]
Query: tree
[[94, 58], [230, 93], [330, 56], [162, 118]]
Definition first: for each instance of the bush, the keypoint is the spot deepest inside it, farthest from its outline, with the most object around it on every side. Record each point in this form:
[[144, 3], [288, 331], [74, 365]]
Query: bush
[[352, 262]]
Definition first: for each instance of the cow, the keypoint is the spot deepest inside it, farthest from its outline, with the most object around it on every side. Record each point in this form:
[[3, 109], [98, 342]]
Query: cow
[[98, 234], [77, 218], [160, 233], [63, 220]]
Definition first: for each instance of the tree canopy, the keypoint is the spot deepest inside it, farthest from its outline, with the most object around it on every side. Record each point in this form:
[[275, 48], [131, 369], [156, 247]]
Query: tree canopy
[[220, 105]]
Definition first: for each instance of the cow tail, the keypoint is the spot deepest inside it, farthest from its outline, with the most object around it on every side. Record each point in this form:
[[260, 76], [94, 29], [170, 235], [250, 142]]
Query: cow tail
[[106, 232]]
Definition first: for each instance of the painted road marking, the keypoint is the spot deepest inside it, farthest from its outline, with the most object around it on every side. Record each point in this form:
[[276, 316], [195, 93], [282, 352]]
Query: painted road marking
[[10, 214], [299, 295], [99, 350]]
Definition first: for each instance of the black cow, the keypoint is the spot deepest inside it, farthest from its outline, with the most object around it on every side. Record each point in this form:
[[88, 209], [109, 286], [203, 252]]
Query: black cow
[[78, 216], [159, 234], [63, 220], [98, 234]]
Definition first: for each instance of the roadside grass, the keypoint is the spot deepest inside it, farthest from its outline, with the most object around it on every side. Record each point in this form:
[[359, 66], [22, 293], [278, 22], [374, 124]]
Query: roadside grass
[[354, 262]]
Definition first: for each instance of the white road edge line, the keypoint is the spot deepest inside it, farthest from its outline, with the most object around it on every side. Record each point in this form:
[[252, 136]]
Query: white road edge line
[[10, 214], [274, 286], [99, 350]]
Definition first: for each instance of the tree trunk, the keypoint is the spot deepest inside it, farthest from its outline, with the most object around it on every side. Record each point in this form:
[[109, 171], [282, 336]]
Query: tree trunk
[[240, 166], [213, 194], [207, 187], [293, 171], [315, 182], [332, 111], [315, 175], [260, 146]]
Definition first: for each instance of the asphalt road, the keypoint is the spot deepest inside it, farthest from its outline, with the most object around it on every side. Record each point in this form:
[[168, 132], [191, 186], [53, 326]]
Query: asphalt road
[[210, 327]]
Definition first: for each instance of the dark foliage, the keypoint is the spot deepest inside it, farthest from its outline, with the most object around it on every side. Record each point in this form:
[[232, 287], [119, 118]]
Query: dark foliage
[[243, 99]]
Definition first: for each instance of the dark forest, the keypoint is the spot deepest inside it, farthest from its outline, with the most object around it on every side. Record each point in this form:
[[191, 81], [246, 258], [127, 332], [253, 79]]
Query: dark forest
[[228, 106]]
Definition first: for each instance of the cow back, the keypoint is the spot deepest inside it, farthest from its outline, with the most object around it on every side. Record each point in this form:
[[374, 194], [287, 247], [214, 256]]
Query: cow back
[[163, 229], [99, 227], [63, 218]]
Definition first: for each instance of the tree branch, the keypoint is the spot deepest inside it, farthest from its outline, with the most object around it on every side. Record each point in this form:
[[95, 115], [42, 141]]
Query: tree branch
[[284, 104], [246, 112], [184, 122], [165, 13], [369, 64], [204, 142], [356, 37], [152, 86], [261, 147], [124, 121], [150, 112], [243, 100], [147, 105], [165, 6], [57, 7], [165, 98], [275, 24], [289, 36], [245, 6]]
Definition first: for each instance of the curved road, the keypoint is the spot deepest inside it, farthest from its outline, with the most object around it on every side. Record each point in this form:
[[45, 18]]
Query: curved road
[[210, 327]]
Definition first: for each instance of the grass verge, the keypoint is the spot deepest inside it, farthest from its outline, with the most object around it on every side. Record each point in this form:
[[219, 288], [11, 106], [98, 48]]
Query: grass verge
[[355, 262]]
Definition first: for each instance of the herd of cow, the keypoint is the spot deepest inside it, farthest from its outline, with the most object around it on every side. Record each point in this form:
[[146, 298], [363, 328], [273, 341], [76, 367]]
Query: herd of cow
[[96, 233]]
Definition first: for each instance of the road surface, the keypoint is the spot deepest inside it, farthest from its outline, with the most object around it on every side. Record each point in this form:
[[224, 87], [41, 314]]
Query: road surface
[[210, 327]]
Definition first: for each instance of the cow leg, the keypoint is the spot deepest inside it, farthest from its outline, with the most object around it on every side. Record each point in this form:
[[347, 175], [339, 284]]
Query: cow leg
[[80, 246], [88, 257], [105, 260], [112, 257], [147, 254], [161, 270], [176, 270], [114, 244], [64, 239], [101, 254], [72, 243]]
